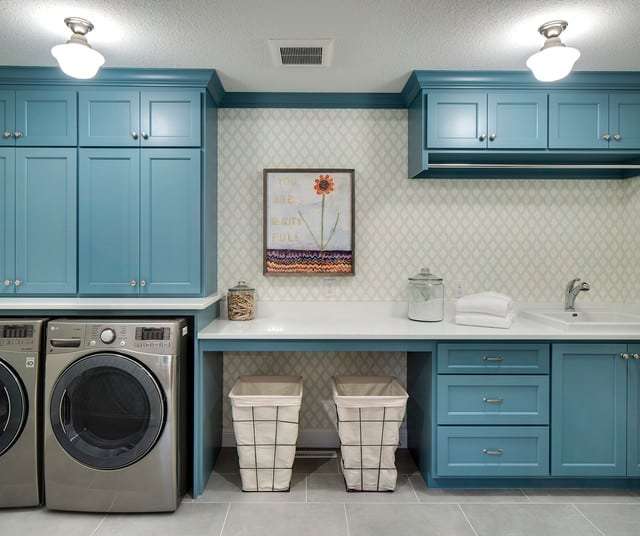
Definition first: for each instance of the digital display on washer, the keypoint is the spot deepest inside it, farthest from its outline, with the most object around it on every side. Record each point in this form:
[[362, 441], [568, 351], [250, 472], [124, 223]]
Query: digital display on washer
[[152, 334], [16, 332]]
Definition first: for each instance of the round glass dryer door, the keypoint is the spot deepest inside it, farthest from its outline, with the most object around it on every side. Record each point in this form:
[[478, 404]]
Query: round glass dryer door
[[107, 411], [13, 407]]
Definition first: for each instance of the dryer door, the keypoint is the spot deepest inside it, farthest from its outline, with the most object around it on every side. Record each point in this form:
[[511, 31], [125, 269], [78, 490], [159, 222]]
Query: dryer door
[[13, 407], [107, 411]]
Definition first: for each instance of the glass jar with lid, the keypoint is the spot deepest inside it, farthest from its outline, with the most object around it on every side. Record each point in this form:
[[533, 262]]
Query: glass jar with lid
[[426, 297], [241, 302]]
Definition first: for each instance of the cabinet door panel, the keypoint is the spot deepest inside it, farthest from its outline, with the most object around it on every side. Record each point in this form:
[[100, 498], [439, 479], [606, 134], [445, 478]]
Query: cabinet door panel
[[46, 224], [46, 118], [517, 120], [109, 118], [170, 221], [456, 120], [7, 219], [625, 120], [170, 119], [7, 117], [109, 227], [589, 400], [578, 120], [633, 415]]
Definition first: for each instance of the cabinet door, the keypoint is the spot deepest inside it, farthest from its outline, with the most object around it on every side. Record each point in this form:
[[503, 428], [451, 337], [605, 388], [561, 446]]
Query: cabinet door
[[7, 220], [170, 221], [624, 120], [517, 120], [456, 120], [578, 120], [7, 117], [46, 118], [46, 223], [109, 227], [109, 118], [170, 119], [633, 415], [589, 410]]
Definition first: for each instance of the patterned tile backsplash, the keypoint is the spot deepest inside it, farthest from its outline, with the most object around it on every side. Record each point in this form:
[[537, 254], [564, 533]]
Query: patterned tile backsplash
[[526, 238]]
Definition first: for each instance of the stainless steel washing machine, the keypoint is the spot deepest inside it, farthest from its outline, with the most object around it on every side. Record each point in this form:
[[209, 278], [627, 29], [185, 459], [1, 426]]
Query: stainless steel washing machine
[[114, 404], [20, 346]]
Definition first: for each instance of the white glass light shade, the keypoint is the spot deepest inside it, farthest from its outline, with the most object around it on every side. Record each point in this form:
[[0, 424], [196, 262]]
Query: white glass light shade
[[78, 60], [553, 62]]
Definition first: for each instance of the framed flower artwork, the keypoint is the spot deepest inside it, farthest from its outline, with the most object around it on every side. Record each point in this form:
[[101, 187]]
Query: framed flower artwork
[[309, 222]]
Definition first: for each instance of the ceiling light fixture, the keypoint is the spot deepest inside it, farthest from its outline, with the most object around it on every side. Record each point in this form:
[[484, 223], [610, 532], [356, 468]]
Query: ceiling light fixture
[[554, 60], [76, 57]]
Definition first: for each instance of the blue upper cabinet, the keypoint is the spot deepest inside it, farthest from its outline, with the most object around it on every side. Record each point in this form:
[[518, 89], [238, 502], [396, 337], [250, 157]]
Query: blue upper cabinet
[[45, 215], [578, 120], [46, 118], [170, 222], [633, 414], [170, 118], [7, 220], [624, 120], [456, 120], [517, 120], [109, 118], [7, 117], [589, 417], [109, 198]]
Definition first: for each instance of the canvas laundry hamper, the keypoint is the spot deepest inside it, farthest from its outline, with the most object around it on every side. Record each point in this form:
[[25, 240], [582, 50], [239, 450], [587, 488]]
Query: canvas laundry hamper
[[265, 412], [370, 410]]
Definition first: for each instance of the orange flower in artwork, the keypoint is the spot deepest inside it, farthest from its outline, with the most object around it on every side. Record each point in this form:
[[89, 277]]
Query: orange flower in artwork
[[324, 185]]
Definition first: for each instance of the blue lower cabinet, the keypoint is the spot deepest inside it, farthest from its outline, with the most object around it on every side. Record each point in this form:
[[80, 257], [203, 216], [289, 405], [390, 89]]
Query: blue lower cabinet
[[633, 413], [589, 415], [109, 221], [493, 358], [493, 399], [493, 451], [45, 214], [7, 220], [170, 221]]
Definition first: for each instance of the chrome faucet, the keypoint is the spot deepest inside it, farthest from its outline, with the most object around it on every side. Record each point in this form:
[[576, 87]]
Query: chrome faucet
[[574, 287]]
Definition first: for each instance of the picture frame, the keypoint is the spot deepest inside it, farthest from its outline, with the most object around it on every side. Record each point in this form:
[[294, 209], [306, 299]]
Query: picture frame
[[309, 221]]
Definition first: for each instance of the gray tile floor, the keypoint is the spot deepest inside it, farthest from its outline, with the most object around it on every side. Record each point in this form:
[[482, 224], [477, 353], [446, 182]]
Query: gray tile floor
[[318, 506]]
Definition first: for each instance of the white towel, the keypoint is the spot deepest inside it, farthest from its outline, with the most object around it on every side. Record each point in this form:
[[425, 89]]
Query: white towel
[[488, 303], [485, 321]]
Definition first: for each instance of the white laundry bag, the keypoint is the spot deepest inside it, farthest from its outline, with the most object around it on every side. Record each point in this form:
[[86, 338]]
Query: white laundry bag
[[265, 412], [370, 410]]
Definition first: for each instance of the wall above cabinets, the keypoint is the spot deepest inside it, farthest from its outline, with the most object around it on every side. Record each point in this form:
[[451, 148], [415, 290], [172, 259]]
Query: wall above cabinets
[[487, 123]]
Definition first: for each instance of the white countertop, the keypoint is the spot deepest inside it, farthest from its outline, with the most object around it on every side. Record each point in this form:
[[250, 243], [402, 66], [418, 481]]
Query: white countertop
[[384, 320], [8, 305]]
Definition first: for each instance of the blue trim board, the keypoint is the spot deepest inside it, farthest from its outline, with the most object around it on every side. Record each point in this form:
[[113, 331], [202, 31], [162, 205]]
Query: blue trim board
[[312, 100]]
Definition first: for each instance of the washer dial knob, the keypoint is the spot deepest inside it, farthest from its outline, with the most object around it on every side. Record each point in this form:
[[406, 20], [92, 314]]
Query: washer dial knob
[[107, 336]]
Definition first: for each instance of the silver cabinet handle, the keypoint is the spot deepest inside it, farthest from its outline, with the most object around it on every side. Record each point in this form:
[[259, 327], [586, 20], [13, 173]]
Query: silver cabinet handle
[[6, 134], [497, 358], [145, 136], [493, 452], [493, 400], [7, 282], [133, 283], [482, 137], [134, 134], [17, 134], [492, 136], [617, 137], [625, 356], [636, 356], [17, 282], [606, 137], [143, 283]]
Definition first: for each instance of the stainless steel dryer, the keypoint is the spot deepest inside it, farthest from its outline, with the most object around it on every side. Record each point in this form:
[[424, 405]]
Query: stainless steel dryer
[[20, 345], [114, 433]]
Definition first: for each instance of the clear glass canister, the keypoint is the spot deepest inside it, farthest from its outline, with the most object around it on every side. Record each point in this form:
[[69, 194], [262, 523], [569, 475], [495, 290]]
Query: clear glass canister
[[426, 297], [241, 302]]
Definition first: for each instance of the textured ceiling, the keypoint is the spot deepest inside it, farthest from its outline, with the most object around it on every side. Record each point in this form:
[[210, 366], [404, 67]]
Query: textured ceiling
[[377, 42]]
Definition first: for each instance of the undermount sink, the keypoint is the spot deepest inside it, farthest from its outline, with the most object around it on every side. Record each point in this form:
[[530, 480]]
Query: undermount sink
[[586, 320]]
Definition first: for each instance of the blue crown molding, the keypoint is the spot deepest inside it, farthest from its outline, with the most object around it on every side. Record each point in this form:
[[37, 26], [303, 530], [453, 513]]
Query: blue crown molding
[[606, 80], [236, 99]]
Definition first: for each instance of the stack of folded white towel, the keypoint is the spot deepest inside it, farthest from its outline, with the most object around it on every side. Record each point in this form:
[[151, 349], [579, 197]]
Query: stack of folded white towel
[[485, 309]]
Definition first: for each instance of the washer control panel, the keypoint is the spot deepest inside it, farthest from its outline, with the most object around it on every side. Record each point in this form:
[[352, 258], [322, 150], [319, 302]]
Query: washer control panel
[[18, 337]]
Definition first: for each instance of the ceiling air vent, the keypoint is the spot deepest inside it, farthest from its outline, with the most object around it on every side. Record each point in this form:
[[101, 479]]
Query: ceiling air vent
[[301, 52]]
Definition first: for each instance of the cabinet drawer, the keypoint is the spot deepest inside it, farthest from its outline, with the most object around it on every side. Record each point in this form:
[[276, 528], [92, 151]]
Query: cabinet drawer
[[491, 358], [493, 399], [493, 451]]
